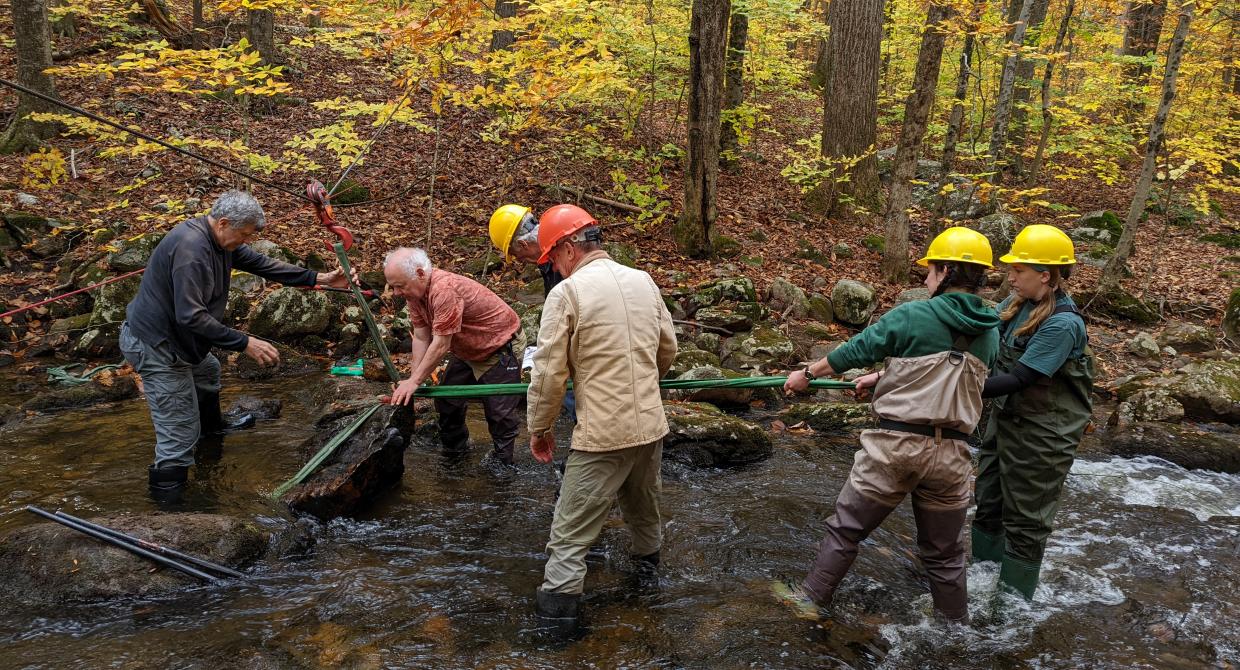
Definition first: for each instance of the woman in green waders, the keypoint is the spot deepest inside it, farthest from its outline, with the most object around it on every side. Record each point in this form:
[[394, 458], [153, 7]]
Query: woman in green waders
[[1041, 386], [928, 398]]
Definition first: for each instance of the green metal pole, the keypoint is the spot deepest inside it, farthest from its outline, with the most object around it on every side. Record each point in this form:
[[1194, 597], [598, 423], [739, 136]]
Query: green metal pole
[[370, 319]]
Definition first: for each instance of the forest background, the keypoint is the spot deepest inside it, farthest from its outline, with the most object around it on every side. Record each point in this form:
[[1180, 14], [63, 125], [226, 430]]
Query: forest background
[[805, 140]]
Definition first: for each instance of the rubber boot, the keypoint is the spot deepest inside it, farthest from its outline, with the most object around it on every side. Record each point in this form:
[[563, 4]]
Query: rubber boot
[[941, 543], [856, 516], [559, 614], [986, 546], [213, 421], [1019, 576], [166, 484]]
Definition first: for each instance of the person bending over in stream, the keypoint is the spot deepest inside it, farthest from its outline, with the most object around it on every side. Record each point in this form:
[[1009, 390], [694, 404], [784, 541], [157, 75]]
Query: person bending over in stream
[[929, 400], [175, 320]]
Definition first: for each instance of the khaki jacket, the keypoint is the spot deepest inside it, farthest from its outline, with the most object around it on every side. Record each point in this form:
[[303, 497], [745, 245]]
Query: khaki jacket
[[607, 329]]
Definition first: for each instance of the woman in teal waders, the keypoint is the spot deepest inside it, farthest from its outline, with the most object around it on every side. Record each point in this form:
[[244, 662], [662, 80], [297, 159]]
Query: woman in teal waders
[[928, 398], [1041, 388]]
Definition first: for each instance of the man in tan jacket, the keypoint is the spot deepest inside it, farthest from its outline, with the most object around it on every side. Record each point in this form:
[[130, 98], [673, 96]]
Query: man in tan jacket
[[606, 327]]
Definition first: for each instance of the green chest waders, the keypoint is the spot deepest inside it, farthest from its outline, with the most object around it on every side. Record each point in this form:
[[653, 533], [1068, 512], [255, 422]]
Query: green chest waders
[[1026, 452]]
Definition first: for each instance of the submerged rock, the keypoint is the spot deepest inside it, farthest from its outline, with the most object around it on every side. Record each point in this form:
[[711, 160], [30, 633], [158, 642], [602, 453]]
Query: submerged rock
[[49, 564], [703, 436], [102, 388], [368, 463]]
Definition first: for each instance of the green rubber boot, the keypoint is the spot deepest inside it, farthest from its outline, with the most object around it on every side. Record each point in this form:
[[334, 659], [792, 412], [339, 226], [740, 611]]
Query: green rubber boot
[[1019, 576], [986, 547]]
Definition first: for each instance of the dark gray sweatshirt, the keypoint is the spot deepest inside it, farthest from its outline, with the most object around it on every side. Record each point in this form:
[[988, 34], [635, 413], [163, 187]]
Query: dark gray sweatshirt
[[185, 290]]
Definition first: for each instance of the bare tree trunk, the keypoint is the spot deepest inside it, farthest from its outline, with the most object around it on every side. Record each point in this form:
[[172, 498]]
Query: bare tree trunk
[[956, 119], [734, 85], [196, 38], [34, 55], [262, 35], [916, 113], [502, 39], [1048, 117], [1143, 22], [1024, 89], [1115, 267], [850, 109], [157, 14], [1003, 107], [707, 44]]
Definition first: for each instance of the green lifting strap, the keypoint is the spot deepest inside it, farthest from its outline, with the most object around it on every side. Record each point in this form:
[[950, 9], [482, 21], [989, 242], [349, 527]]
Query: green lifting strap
[[375, 335], [486, 390], [327, 450]]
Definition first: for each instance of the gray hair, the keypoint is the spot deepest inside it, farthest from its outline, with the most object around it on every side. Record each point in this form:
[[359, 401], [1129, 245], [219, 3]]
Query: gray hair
[[527, 230], [408, 259], [240, 208]]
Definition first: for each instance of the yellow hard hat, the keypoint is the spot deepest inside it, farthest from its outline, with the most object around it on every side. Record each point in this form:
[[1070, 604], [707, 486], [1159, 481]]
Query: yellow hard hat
[[1040, 244], [959, 244], [504, 223]]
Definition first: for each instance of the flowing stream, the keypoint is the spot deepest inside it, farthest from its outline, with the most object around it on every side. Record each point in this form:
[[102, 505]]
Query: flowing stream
[[1143, 571]]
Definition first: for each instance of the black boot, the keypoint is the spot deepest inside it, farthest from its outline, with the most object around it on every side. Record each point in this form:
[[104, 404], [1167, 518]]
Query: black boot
[[648, 565], [167, 483], [559, 614], [213, 421]]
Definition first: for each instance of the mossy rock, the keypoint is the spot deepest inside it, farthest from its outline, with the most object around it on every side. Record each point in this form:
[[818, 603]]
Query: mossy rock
[[1231, 316], [876, 243], [350, 192], [726, 247], [274, 251], [710, 342], [1100, 251], [737, 289], [1121, 304], [133, 254], [766, 345], [842, 250], [721, 397], [853, 302], [531, 319], [620, 252], [1209, 390], [703, 436], [26, 227], [829, 416], [1225, 240], [289, 313], [756, 235], [72, 324], [689, 357], [723, 319], [1102, 220], [807, 251]]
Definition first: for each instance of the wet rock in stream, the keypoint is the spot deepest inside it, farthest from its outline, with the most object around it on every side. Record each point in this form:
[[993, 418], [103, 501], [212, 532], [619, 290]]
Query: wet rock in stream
[[368, 463], [103, 388], [50, 564], [703, 436]]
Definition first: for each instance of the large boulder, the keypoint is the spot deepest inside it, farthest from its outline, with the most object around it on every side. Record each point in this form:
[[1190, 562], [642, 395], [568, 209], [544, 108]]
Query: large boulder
[[787, 298], [274, 251], [1187, 445], [739, 289], [723, 319], [829, 416], [368, 463], [47, 564], [722, 397], [1144, 345], [1209, 390], [104, 387], [133, 253], [703, 436], [853, 301], [1000, 229], [288, 313], [764, 345], [1149, 405], [1186, 337], [689, 357], [531, 319], [26, 227], [111, 301]]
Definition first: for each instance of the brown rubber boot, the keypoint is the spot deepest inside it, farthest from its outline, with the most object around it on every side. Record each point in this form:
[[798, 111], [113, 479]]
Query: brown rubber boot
[[940, 537], [856, 516]]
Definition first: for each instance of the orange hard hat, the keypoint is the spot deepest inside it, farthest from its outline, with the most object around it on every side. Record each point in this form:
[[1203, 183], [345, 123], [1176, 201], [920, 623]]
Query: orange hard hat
[[559, 222]]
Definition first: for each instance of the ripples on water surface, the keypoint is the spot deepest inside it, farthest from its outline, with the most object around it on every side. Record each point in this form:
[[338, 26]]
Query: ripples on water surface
[[1142, 571]]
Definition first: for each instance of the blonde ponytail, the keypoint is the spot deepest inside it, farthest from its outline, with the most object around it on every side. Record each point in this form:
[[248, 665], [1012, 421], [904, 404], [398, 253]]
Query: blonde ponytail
[[1042, 311]]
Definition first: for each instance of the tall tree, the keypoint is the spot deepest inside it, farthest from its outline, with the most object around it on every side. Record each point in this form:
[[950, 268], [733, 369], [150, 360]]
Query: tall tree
[[734, 83], [916, 113], [1114, 269], [1024, 87], [262, 35], [850, 106], [1048, 117], [1143, 22], [34, 55], [956, 119], [1007, 84], [198, 24], [707, 43]]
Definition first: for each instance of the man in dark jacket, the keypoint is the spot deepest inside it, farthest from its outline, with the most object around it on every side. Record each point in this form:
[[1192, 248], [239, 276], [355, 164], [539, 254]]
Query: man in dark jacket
[[175, 320]]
